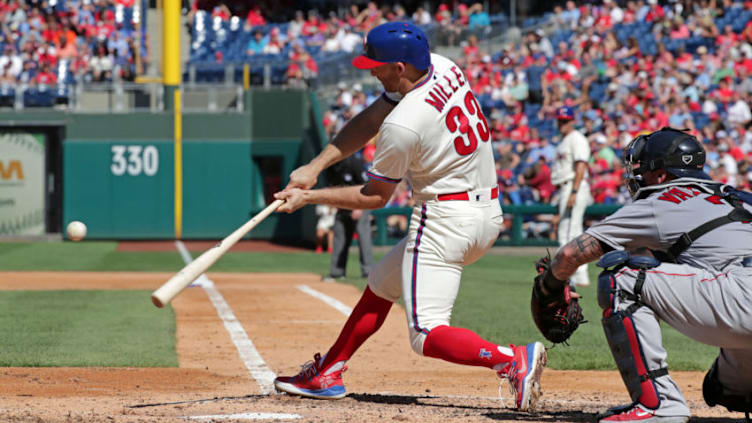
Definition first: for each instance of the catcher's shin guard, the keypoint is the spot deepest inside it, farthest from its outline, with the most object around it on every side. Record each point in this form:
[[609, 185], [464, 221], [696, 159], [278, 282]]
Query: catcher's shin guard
[[622, 335], [714, 394]]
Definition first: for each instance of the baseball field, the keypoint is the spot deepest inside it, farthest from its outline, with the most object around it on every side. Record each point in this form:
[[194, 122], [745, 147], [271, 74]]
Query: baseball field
[[82, 342]]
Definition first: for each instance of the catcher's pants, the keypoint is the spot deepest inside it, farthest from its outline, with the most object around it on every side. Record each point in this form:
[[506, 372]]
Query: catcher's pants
[[571, 222], [425, 267], [711, 307]]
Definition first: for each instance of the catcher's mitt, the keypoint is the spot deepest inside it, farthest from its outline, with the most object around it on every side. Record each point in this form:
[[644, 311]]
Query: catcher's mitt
[[556, 314]]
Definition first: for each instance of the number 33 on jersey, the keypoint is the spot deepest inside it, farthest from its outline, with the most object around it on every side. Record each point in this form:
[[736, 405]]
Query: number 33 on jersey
[[437, 136]]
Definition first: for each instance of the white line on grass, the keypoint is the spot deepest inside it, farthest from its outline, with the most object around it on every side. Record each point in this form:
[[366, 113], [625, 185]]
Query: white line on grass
[[202, 280], [248, 353], [247, 416], [342, 308]]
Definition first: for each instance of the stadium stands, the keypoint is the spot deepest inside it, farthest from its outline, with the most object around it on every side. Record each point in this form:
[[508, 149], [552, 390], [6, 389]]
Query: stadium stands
[[47, 47], [625, 70], [222, 39]]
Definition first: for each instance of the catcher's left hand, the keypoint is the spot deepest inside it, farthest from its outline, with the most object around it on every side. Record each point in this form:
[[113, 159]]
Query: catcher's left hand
[[556, 314]]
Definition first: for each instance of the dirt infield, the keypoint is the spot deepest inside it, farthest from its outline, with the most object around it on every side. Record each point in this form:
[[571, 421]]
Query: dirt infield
[[386, 380]]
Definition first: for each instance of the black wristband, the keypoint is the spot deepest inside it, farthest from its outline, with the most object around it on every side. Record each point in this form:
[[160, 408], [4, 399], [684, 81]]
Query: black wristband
[[574, 191]]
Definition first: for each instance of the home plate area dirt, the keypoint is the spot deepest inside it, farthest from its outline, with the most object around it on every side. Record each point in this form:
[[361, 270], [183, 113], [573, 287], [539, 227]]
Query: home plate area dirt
[[386, 381]]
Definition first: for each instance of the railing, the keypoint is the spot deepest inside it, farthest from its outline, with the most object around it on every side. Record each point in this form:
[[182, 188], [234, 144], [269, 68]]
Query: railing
[[517, 213], [120, 96]]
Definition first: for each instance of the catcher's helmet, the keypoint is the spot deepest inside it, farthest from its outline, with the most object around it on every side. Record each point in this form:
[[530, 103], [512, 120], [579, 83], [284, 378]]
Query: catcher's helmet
[[395, 42], [676, 151]]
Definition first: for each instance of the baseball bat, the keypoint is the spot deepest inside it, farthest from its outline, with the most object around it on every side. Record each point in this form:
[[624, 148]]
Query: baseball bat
[[194, 269]]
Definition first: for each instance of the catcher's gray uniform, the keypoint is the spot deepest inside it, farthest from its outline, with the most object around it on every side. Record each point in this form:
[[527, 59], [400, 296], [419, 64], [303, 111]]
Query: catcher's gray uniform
[[707, 295]]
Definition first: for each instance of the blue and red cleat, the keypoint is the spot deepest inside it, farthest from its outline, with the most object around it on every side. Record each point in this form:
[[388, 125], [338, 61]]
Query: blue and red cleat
[[524, 374], [312, 383]]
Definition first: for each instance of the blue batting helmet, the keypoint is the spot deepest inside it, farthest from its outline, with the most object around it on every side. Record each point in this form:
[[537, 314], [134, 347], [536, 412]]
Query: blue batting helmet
[[395, 42], [565, 113]]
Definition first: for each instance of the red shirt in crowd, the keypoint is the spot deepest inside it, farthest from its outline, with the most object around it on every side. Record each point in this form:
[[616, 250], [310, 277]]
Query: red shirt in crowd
[[746, 64], [46, 78], [254, 17], [723, 93], [656, 13], [542, 182], [520, 133]]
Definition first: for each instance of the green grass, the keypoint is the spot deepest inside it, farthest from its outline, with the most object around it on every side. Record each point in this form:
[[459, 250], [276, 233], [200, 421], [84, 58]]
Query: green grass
[[88, 256], [494, 299], [85, 328]]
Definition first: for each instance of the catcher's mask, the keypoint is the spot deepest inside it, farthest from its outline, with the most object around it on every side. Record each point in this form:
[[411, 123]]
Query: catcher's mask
[[676, 151]]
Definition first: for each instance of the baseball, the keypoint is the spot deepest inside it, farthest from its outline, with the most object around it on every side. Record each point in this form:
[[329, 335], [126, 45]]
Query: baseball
[[76, 230]]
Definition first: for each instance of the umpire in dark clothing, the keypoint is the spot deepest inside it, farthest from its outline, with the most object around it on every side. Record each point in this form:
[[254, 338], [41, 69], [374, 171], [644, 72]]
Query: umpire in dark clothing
[[350, 171]]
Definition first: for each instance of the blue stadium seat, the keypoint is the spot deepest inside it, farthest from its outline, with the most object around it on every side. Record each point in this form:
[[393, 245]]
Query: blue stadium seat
[[7, 95], [39, 97], [279, 73], [531, 110], [534, 74], [210, 72], [700, 119]]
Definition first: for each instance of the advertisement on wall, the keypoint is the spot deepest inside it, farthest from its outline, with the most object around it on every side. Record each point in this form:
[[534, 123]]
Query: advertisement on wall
[[22, 173]]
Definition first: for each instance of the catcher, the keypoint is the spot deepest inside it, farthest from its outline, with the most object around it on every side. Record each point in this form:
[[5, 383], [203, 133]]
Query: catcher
[[674, 254]]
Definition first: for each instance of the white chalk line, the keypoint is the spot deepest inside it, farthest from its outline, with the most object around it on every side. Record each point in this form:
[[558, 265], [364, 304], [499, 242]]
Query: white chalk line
[[339, 306], [247, 416], [247, 351], [202, 280], [208, 285]]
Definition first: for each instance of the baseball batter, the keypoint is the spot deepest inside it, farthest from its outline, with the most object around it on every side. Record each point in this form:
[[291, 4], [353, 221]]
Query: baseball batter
[[569, 174], [431, 131], [701, 233]]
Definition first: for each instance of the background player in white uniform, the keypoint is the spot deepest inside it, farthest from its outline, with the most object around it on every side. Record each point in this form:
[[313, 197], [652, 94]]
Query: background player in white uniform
[[437, 138], [569, 174], [700, 287]]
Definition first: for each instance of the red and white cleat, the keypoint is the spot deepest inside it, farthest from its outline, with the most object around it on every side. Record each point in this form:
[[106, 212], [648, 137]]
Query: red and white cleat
[[312, 383], [524, 374], [635, 413]]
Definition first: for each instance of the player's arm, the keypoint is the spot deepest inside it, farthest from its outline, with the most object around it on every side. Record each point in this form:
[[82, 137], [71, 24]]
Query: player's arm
[[351, 138], [579, 173], [374, 194], [581, 250]]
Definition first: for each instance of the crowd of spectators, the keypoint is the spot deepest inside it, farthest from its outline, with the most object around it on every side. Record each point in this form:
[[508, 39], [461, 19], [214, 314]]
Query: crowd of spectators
[[55, 42], [312, 35], [626, 68]]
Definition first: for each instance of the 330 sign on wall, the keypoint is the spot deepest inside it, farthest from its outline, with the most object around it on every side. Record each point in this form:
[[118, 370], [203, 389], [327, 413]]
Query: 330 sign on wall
[[134, 160]]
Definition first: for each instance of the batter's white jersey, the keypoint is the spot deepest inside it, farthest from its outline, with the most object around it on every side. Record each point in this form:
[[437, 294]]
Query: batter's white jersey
[[436, 136], [573, 148]]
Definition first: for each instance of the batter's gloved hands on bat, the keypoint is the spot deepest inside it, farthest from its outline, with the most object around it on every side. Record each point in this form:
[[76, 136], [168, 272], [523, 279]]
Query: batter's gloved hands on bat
[[556, 312]]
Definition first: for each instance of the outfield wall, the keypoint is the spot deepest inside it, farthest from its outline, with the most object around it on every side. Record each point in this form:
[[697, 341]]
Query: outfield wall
[[118, 170]]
